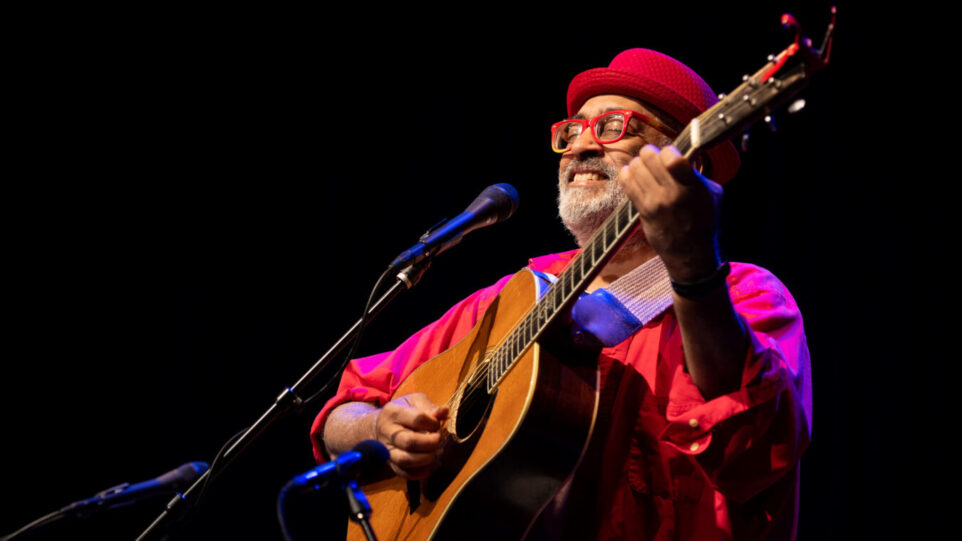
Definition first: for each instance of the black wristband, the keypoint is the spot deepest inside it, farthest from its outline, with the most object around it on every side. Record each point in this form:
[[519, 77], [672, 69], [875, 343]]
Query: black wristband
[[701, 287]]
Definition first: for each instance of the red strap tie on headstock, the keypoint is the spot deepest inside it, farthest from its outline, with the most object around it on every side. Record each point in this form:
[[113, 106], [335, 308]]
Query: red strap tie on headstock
[[818, 59]]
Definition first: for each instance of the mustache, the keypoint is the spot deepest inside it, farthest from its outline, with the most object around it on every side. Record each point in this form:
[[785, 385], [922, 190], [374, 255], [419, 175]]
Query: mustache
[[591, 163]]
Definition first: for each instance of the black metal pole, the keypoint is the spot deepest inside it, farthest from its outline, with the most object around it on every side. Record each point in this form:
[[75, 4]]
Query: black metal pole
[[283, 404]]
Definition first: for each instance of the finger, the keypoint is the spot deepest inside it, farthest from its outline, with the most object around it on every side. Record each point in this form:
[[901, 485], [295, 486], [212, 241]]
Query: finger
[[422, 413], [654, 164], [400, 411], [677, 166], [638, 183], [407, 460], [413, 466], [441, 413], [417, 420], [408, 440], [419, 401], [414, 473]]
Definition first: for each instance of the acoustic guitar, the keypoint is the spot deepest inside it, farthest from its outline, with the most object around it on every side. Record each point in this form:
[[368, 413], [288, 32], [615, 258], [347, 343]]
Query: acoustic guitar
[[521, 416]]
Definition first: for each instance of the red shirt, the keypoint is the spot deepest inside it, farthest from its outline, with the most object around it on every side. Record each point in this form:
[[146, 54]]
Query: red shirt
[[663, 463]]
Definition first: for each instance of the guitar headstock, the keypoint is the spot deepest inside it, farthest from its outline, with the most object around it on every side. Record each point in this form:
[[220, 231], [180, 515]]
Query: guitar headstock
[[781, 78]]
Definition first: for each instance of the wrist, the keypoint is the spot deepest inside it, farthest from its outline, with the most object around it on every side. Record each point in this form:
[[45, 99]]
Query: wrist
[[693, 260], [700, 287], [372, 431]]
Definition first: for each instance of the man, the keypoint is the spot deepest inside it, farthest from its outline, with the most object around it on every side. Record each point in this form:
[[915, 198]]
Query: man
[[704, 411]]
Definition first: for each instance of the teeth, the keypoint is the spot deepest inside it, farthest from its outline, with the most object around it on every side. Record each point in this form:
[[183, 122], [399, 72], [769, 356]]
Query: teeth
[[586, 177]]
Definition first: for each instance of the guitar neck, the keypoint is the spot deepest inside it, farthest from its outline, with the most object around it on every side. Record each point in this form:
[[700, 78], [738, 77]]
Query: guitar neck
[[759, 94], [572, 281]]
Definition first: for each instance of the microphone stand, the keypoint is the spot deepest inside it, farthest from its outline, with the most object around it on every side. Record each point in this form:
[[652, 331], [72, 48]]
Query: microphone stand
[[285, 403], [359, 509]]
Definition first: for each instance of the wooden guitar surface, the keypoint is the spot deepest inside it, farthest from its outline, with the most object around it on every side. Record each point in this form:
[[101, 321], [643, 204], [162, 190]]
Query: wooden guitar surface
[[500, 464]]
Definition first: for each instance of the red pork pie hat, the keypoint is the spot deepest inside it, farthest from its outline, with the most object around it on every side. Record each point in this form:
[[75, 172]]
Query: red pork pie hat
[[662, 81]]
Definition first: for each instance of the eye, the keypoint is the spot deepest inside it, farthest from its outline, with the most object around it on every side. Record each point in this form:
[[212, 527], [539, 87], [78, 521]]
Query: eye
[[569, 131], [565, 134], [610, 127]]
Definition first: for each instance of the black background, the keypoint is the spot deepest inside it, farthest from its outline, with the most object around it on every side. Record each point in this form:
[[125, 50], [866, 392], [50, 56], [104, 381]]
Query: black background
[[198, 204]]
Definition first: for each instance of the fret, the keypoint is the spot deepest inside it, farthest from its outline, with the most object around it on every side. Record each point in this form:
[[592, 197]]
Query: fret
[[773, 85], [576, 271], [493, 376], [503, 364]]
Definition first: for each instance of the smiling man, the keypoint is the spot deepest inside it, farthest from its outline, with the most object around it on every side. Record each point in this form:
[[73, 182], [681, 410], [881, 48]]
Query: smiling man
[[705, 409]]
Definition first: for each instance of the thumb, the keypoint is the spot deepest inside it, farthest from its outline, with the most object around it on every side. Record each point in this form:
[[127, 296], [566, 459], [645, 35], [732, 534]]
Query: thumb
[[440, 412]]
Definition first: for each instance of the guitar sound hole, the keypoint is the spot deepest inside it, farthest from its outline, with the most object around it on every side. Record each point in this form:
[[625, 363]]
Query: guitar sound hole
[[472, 415], [472, 411]]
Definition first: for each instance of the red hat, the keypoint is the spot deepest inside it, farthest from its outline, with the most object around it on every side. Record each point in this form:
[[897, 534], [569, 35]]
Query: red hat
[[661, 81]]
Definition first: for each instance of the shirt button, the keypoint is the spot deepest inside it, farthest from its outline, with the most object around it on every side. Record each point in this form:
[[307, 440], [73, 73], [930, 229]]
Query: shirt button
[[694, 447], [693, 423]]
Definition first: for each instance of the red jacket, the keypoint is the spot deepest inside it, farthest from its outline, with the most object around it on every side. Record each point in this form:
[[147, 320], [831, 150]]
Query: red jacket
[[663, 462]]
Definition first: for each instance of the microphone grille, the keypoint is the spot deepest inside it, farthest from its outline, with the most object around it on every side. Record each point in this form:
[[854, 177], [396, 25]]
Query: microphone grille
[[373, 455], [505, 197]]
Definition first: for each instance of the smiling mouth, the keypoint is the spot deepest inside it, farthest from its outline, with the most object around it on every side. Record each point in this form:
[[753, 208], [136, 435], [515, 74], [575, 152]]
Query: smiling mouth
[[587, 177]]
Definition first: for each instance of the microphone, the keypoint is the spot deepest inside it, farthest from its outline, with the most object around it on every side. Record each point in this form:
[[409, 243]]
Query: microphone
[[124, 494], [495, 204], [364, 459]]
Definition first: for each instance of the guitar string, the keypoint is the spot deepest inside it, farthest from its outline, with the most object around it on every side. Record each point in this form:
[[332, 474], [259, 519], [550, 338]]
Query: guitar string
[[479, 375], [609, 233], [611, 227], [708, 120], [515, 336]]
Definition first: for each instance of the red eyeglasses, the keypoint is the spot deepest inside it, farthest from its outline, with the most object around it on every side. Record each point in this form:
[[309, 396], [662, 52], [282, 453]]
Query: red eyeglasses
[[606, 128]]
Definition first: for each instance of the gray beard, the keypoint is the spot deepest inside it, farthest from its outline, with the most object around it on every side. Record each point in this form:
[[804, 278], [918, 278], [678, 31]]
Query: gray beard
[[583, 209]]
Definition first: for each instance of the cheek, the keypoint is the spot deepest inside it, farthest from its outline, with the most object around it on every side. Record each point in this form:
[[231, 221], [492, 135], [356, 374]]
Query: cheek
[[562, 165], [619, 162], [623, 156]]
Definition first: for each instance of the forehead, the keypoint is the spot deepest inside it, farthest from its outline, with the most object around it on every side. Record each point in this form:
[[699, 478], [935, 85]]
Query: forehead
[[597, 105]]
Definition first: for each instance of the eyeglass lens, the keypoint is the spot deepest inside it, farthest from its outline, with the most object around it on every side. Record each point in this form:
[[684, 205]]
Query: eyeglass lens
[[608, 128]]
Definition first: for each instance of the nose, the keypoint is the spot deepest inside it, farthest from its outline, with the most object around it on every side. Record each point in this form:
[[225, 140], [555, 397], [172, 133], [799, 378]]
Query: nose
[[585, 145]]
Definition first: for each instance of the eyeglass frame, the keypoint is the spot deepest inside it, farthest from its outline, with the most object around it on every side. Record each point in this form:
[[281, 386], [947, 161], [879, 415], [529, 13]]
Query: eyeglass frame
[[590, 125]]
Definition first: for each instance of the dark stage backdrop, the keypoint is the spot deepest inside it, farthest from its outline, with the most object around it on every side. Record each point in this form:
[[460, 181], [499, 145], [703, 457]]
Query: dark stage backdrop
[[204, 201]]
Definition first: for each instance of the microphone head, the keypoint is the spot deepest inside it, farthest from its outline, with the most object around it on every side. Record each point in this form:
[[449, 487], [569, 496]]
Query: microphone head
[[373, 456], [183, 476], [505, 199]]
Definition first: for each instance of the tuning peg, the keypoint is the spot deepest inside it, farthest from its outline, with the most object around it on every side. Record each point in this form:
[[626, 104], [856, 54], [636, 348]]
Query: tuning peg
[[744, 144], [770, 120]]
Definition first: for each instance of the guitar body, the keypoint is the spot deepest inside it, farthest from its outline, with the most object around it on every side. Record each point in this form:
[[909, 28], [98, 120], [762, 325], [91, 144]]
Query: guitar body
[[504, 455]]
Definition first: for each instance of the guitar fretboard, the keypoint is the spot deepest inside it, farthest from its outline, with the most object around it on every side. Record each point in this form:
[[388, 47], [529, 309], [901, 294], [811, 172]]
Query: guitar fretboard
[[749, 102], [562, 294]]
